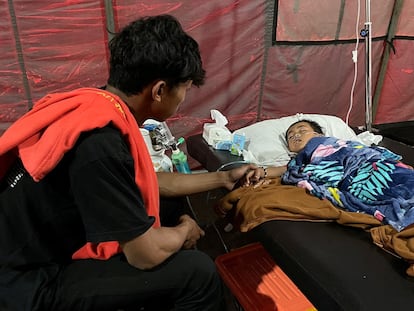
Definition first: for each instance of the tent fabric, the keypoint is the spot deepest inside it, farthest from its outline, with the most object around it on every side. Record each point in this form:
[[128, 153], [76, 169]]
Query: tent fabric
[[264, 59]]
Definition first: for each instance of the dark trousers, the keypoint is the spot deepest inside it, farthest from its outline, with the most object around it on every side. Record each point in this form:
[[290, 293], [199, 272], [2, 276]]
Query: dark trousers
[[186, 281]]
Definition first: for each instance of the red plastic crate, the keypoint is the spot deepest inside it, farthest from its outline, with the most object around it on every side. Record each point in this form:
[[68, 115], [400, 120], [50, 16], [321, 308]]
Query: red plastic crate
[[258, 283]]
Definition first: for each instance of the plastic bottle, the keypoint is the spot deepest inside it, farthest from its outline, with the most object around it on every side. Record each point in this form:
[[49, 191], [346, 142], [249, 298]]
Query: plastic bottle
[[179, 159]]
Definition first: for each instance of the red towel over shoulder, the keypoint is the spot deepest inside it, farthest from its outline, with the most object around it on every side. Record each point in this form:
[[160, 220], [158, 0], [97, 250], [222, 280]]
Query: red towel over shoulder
[[43, 135]]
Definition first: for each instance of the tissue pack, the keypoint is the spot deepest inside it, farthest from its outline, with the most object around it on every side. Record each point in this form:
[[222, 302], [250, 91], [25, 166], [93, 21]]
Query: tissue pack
[[217, 134]]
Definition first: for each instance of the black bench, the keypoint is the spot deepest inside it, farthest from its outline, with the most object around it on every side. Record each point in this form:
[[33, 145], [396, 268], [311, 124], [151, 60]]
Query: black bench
[[336, 267]]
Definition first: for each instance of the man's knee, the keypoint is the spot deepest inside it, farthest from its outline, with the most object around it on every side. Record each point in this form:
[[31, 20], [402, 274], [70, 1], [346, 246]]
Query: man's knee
[[203, 286], [200, 264]]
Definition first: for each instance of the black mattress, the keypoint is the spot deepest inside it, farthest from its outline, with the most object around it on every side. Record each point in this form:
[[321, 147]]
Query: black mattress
[[337, 267], [399, 131]]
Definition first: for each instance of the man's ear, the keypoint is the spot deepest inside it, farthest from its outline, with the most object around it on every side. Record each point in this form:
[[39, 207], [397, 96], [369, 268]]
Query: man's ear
[[158, 90]]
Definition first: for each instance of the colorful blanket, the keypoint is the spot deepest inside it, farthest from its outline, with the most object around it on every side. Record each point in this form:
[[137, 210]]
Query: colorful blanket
[[356, 178]]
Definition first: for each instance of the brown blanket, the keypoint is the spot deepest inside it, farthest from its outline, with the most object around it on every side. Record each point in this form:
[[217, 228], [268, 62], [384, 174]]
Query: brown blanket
[[252, 206]]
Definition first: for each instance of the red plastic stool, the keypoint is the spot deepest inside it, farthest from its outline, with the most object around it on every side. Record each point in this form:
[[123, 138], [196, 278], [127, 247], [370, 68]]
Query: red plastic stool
[[258, 283]]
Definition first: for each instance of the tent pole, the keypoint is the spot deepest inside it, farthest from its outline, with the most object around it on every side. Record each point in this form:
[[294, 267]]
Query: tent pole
[[367, 33], [386, 54], [110, 21]]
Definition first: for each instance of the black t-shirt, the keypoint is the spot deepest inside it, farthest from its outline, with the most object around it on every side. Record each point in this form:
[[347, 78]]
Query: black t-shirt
[[91, 196]]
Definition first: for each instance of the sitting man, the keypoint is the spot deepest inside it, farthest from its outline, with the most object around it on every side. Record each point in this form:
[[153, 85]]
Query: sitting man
[[79, 216]]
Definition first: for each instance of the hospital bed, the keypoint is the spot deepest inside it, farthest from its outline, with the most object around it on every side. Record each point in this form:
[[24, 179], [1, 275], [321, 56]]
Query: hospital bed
[[337, 267]]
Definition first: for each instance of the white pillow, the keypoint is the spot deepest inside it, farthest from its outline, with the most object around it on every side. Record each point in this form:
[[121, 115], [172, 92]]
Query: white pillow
[[265, 140]]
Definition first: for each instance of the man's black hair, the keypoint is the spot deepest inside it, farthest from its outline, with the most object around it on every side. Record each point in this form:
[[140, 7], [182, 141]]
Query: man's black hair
[[153, 48]]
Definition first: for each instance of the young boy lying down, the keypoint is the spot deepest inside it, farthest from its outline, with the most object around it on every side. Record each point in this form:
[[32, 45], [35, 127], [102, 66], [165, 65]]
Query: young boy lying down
[[352, 176]]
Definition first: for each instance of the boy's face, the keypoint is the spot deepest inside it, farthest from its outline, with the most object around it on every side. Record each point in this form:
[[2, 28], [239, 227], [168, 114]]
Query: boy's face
[[298, 136]]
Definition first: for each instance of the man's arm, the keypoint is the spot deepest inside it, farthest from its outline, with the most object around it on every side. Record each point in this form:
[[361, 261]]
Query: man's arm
[[177, 184], [156, 245]]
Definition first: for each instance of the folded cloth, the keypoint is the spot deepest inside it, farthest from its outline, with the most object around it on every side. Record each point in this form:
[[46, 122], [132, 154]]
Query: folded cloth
[[274, 201], [399, 243]]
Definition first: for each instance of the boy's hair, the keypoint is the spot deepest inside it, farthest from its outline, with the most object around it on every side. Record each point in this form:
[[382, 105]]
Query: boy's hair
[[314, 125], [153, 48]]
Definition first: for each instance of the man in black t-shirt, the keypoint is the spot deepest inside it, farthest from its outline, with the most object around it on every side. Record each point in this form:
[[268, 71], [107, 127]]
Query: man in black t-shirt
[[79, 210]]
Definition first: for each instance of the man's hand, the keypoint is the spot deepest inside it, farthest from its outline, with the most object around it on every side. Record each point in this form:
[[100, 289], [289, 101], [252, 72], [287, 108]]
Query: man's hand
[[252, 177], [238, 174], [260, 176], [194, 232]]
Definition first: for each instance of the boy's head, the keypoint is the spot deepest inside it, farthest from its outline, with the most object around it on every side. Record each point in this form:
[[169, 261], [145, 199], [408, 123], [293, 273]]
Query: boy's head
[[153, 48], [299, 133]]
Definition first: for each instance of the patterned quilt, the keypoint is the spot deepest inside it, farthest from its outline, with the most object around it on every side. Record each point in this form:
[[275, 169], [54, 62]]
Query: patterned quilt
[[356, 178]]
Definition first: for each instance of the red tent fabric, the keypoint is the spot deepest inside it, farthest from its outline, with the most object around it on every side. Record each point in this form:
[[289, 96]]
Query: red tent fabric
[[264, 59]]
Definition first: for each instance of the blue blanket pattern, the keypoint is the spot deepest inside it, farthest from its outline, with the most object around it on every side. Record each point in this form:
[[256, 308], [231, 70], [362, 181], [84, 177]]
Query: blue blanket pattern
[[356, 178]]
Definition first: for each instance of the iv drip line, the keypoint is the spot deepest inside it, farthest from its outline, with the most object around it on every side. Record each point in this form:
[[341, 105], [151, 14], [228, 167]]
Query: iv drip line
[[367, 34]]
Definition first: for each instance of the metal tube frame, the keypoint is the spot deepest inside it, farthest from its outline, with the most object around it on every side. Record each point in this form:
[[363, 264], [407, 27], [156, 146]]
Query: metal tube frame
[[368, 66]]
